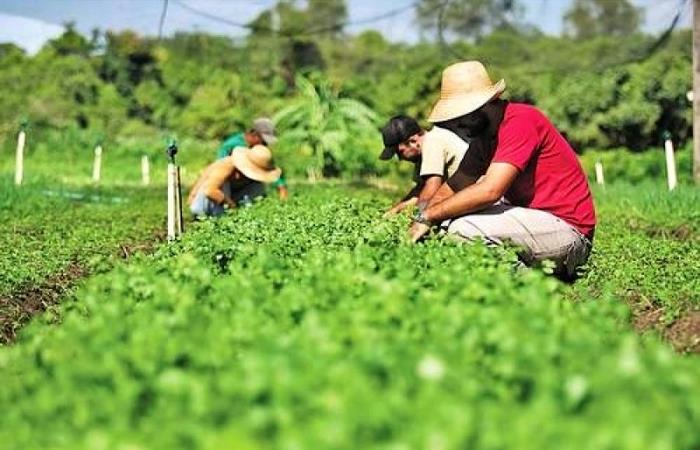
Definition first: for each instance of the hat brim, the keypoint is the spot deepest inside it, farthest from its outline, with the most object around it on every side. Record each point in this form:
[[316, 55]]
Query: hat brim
[[387, 153], [268, 138], [250, 170], [449, 108]]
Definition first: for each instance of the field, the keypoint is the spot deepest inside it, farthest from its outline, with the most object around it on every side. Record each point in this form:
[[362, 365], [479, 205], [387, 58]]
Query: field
[[314, 324]]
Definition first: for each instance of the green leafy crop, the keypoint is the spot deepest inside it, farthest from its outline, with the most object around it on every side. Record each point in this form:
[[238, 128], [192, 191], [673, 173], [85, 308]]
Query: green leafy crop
[[313, 324]]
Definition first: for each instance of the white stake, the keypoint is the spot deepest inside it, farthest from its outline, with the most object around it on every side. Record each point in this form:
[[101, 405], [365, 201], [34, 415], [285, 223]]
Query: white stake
[[670, 165], [19, 162], [172, 174], [178, 204], [145, 171], [600, 179], [97, 165]]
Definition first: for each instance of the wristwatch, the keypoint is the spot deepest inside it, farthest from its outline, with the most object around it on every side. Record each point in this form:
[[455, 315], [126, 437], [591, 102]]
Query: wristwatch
[[419, 217]]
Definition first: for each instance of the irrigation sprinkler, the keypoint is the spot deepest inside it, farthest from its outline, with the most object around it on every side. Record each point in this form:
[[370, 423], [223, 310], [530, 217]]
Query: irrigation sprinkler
[[19, 159], [145, 171], [599, 177], [670, 162], [175, 222]]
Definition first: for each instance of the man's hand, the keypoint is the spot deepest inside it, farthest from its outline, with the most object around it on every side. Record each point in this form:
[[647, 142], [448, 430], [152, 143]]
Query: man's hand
[[229, 204], [417, 231], [393, 211], [400, 207]]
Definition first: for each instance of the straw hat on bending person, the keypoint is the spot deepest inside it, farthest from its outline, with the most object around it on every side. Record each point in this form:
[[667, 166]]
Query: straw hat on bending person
[[257, 164], [236, 176]]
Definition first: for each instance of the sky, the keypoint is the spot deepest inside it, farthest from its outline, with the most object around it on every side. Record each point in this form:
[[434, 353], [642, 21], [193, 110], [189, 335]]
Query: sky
[[29, 23]]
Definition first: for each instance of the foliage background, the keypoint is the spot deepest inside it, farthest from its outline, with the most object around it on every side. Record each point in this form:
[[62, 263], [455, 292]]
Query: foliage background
[[614, 93]]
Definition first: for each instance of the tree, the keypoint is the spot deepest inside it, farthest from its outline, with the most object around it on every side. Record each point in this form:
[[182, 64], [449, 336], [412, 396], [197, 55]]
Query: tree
[[327, 15], [10, 54], [467, 18], [328, 124], [282, 32], [70, 42], [589, 18]]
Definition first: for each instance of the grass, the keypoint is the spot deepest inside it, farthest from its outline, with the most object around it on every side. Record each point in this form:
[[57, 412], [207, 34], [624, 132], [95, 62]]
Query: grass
[[646, 247]]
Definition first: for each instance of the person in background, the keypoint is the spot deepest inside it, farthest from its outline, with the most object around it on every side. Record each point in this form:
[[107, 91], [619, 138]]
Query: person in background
[[516, 154], [262, 132], [435, 153], [233, 181]]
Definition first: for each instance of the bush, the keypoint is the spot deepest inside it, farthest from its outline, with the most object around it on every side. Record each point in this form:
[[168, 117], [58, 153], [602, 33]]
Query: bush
[[631, 167]]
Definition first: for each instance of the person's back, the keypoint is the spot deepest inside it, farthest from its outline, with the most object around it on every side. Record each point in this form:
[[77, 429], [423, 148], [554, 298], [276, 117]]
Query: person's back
[[442, 152], [234, 141], [551, 178], [227, 181]]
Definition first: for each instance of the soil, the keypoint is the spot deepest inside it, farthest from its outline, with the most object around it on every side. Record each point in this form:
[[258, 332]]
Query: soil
[[683, 333], [19, 306], [681, 233]]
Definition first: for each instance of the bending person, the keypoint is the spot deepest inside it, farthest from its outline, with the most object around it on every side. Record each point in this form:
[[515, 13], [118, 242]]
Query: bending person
[[548, 209], [262, 132], [235, 179], [435, 153]]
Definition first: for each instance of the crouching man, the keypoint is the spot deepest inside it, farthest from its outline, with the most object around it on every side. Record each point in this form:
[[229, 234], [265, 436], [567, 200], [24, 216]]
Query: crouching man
[[548, 209], [232, 180], [262, 132], [435, 153]]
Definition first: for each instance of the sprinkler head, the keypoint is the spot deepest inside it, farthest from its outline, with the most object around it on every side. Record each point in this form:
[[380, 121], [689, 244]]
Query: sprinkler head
[[171, 150]]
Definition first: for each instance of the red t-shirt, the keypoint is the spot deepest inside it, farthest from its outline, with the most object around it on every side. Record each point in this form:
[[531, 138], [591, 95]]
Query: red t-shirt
[[551, 178]]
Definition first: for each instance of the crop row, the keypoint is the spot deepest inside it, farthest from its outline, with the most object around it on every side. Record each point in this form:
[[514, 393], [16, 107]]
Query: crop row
[[313, 324], [51, 238]]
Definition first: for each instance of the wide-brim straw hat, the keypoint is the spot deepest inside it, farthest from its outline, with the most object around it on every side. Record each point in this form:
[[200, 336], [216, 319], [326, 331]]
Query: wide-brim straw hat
[[465, 87], [256, 164]]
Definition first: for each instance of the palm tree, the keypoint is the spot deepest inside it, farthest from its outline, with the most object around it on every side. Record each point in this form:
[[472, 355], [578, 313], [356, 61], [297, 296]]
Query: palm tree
[[325, 122]]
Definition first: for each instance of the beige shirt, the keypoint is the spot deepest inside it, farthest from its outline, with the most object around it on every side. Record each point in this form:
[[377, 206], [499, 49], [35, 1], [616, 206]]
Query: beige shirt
[[441, 153]]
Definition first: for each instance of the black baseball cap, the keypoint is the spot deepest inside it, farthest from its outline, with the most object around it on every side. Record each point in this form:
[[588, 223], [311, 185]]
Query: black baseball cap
[[397, 130]]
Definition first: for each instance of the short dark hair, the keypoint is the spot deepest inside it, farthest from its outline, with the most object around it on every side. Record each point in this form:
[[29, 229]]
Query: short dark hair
[[397, 130]]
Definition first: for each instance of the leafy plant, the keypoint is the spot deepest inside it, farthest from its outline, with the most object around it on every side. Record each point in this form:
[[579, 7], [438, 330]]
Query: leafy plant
[[330, 125], [312, 324]]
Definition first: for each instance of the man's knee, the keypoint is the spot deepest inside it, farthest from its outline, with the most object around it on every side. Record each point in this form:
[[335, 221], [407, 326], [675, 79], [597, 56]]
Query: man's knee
[[463, 228], [467, 229]]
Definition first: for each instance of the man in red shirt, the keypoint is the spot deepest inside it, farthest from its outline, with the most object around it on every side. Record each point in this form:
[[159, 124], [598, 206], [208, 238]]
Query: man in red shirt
[[531, 189]]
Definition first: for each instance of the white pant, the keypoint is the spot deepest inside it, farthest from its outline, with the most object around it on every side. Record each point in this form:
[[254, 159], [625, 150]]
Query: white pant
[[542, 235]]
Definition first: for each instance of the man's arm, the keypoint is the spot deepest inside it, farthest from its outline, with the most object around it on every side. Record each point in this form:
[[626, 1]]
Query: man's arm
[[197, 185], [409, 199], [215, 181], [283, 192], [430, 187], [447, 203], [446, 190], [281, 185], [487, 191]]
